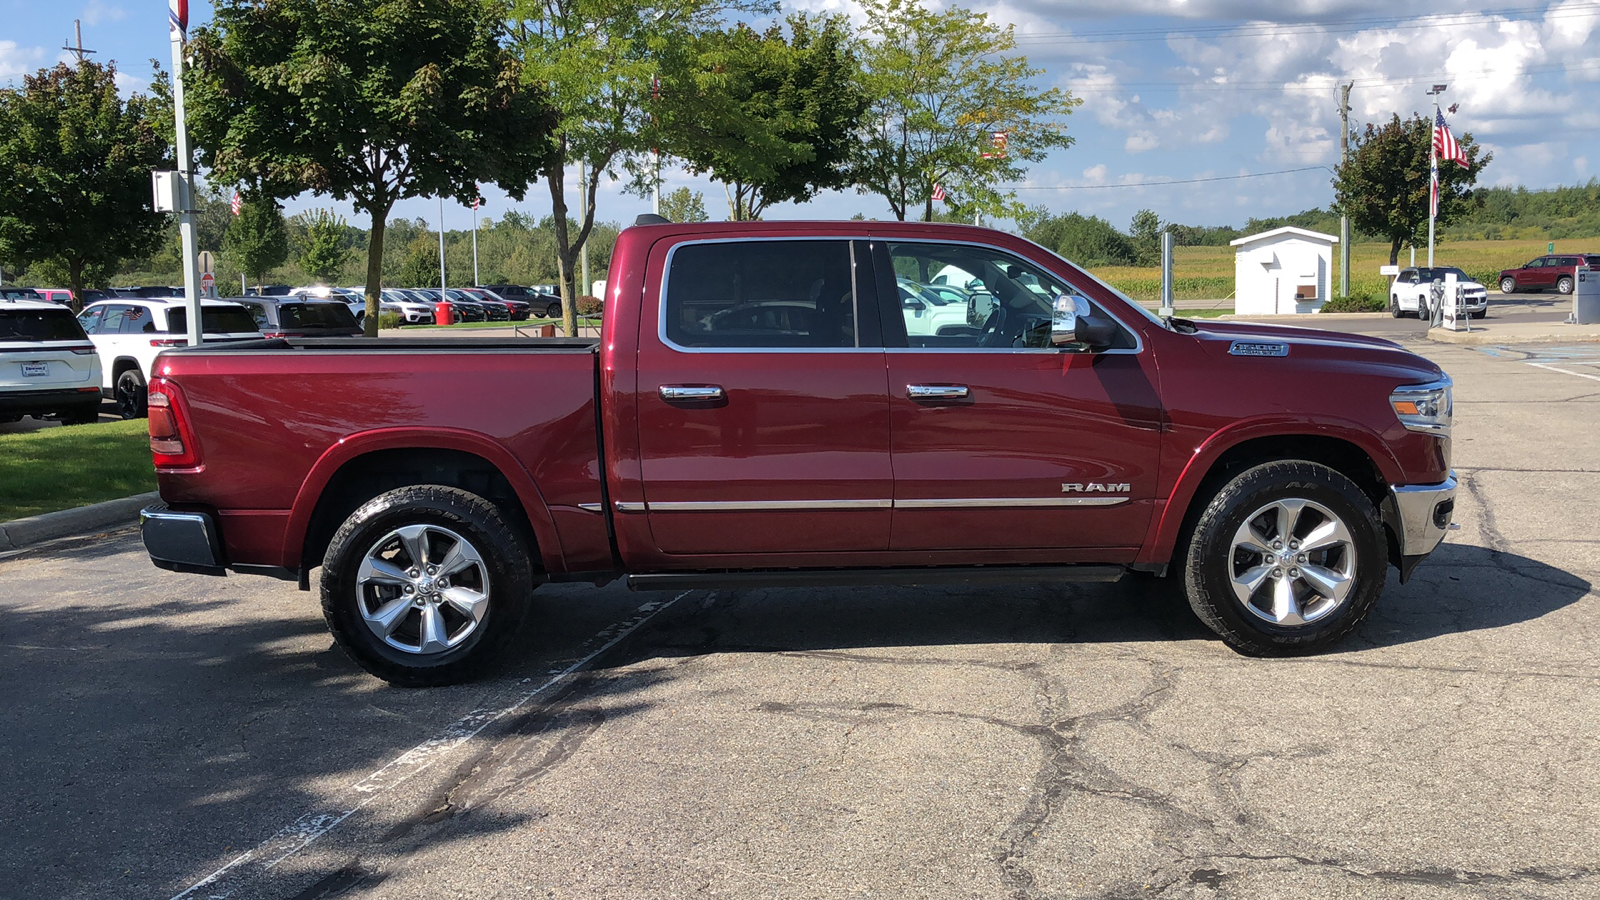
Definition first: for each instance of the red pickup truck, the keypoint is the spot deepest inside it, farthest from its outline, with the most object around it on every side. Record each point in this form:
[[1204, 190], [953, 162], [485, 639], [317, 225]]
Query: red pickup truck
[[767, 407]]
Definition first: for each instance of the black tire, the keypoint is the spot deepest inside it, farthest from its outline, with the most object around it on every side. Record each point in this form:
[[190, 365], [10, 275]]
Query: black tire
[[130, 395], [1211, 559], [1394, 306], [553, 311], [502, 574], [1508, 285], [87, 414], [1564, 284]]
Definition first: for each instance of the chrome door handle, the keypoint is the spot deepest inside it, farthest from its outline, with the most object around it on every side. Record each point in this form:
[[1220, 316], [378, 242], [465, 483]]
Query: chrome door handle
[[670, 392], [936, 391]]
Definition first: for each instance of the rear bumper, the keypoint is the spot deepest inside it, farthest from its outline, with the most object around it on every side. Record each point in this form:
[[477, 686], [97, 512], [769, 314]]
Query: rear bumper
[[55, 400], [1420, 514], [182, 541]]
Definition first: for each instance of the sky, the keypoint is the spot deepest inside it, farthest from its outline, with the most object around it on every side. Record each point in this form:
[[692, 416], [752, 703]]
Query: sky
[[1179, 97]]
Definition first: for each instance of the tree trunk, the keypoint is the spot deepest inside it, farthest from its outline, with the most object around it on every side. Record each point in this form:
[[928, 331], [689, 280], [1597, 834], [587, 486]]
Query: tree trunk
[[375, 269], [75, 282], [565, 254], [927, 213], [1394, 253]]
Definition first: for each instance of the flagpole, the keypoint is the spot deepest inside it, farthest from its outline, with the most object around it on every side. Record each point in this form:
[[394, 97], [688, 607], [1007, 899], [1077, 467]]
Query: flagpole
[[475, 279], [1435, 189]]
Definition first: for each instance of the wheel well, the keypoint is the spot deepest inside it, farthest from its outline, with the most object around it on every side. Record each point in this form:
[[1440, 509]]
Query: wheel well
[[1339, 455], [381, 471], [123, 364]]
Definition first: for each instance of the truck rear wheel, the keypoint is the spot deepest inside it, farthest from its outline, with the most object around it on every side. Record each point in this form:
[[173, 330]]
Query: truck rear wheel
[[425, 585], [1286, 559]]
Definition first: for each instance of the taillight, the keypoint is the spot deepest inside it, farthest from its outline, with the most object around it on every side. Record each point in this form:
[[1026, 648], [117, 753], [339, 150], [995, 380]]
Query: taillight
[[83, 351], [168, 342], [172, 443]]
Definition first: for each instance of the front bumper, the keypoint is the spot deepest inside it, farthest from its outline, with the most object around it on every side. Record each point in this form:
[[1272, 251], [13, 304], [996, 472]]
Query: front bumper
[[181, 541], [1420, 514]]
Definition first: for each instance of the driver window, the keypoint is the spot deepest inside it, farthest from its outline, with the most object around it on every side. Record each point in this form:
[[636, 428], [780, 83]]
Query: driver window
[[992, 300]]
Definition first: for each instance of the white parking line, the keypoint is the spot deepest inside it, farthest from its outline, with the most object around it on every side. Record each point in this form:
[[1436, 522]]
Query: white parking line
[[1564, 371], [299, 834]]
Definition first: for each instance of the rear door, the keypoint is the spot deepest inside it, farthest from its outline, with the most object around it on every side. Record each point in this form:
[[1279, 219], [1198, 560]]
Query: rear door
[[1001, 441], [762, 400]]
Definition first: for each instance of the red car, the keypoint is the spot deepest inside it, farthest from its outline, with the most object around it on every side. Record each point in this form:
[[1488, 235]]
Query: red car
[[759, 413], [1557, 270]]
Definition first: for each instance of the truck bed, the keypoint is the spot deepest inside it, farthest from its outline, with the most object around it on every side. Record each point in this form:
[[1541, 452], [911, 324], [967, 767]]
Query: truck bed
[[299, 413]]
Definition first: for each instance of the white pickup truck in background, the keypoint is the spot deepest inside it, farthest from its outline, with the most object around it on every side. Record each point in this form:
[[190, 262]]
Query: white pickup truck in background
[[1410, 293]]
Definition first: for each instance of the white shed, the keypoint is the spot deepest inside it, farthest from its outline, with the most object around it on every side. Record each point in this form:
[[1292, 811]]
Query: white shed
[[1285, 270]]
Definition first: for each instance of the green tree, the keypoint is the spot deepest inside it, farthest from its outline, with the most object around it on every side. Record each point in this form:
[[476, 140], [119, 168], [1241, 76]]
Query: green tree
[[1384, 186], [75, 163], [1086, 240], [257, 240], [774, 119], [941, 87], [365, 100], [1145, 230], [684, 205], [421, 268], [599, 60], [324, 252]]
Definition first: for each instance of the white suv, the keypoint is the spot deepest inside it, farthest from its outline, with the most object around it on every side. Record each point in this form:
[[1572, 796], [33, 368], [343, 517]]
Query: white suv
[[47, 365], [1411, 292], [128, 332]]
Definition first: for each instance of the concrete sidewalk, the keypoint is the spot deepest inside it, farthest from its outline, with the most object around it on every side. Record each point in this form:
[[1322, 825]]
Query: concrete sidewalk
[[1492, 332]]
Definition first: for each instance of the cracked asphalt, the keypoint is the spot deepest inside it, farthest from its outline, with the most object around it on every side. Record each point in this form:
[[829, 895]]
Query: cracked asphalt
[[1035, 741]]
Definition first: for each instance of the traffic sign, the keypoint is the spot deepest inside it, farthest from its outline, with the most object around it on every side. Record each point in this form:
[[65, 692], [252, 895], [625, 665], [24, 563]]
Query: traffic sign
[[207, 264], [208, 284]]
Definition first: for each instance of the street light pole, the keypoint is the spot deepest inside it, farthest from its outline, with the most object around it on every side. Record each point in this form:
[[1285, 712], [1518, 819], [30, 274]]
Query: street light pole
[[442, 285], [178, 20], [1344, 160]]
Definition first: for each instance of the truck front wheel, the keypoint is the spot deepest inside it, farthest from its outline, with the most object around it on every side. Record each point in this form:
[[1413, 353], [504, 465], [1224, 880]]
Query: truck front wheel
[[1287, 558], [425, 585]]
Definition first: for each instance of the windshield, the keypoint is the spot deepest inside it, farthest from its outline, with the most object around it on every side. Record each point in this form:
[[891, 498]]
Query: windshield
[[213, 320], [316, 315], [39, 325], [1440, 272]]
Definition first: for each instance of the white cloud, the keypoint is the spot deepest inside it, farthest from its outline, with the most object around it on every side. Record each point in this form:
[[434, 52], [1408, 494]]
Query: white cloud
[[1140, 141], [99, 11], [16, 61]]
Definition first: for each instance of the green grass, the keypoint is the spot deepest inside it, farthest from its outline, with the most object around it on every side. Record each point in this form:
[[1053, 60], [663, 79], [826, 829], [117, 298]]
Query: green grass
[[60, 468]]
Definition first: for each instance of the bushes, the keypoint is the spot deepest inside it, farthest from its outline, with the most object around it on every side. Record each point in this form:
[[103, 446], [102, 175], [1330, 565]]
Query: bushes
[[389, 320], [588, 305], [1358, 301]]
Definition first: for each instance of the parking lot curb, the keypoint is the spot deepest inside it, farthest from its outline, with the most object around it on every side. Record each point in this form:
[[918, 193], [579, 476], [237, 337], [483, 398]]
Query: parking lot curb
[[1480, 337], [1298, 318], [19, 534]]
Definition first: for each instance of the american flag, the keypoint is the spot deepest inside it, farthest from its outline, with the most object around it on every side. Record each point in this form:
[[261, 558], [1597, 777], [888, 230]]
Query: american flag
[[477, 199], [1444, 148], [938, 192], [237, 204]]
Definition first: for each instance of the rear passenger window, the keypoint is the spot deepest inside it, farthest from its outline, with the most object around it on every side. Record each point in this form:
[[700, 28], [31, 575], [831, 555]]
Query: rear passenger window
[[761, 294]]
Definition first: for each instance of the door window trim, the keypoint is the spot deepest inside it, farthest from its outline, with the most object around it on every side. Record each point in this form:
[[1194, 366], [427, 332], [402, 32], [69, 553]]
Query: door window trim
[[863, 290], [884, 270]]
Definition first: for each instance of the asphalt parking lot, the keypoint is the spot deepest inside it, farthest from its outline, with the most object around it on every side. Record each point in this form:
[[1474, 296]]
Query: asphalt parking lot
[[1061, 741]]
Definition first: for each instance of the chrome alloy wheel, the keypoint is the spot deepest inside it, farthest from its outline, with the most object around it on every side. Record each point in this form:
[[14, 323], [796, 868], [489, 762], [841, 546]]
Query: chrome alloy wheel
[[1293, 562], [422, 589]]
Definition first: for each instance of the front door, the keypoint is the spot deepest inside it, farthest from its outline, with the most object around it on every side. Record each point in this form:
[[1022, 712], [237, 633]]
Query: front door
[[762, 406], [1001, 441]]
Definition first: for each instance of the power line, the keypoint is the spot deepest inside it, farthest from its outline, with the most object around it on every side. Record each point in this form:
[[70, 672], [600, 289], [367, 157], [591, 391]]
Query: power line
[[1091, 187]]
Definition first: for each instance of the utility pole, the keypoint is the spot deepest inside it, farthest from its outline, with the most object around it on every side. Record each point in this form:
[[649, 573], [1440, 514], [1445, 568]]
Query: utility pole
[[76, 48], [1344, 160], [475, 279], [442, 284]]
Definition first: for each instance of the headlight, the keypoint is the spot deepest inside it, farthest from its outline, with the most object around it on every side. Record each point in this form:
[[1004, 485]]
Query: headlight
[[1423, 407]]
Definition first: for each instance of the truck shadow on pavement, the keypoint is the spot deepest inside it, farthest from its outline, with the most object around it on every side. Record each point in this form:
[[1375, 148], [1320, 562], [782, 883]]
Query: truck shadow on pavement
[[1461, 589]]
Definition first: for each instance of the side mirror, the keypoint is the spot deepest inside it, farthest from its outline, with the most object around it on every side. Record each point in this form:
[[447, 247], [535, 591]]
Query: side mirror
[[1073, 323]]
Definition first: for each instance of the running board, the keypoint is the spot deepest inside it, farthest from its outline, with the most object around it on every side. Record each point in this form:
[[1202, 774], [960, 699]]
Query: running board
[[671, 581]]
